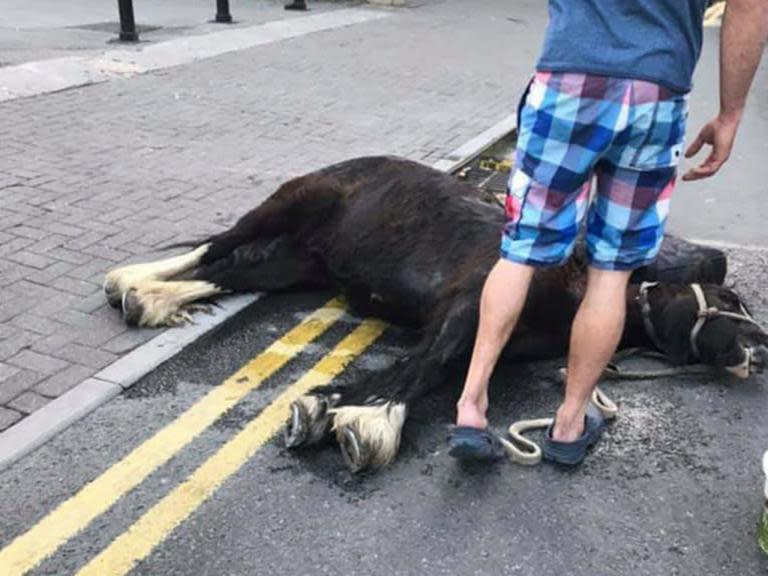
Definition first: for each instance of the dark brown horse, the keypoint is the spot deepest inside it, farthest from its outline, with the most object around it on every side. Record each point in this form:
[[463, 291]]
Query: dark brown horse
[[413, 245]]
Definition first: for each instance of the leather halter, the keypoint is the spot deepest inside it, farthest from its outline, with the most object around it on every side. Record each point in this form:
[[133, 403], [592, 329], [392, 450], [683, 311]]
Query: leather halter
[[703, 314], [645, 310]]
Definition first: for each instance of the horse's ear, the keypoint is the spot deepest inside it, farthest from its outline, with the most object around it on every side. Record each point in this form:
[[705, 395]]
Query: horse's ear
[[678, 319]]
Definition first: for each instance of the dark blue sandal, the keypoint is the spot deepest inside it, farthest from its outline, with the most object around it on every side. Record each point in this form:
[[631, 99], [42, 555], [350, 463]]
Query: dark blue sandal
[[573, 453], [474, 444]]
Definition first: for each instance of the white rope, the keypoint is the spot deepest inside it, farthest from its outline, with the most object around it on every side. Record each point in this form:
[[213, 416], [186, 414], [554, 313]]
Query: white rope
[[522, 450]]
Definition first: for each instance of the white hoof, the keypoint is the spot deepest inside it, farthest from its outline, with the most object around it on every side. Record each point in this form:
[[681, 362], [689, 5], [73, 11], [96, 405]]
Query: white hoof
[[369, 436], [310, 421]]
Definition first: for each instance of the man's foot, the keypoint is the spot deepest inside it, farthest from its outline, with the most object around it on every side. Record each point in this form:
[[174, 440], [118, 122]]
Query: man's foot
[[568, 427], [571, 453], [296, 5], [471, 415], [472, 444]]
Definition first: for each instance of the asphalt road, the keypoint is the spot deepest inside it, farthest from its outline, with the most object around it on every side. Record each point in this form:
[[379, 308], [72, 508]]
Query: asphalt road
[[673, 488]]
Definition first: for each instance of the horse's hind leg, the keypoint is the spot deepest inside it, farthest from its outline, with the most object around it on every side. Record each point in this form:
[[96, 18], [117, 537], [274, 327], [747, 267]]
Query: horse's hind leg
[[257, 253], [259, 266], [367, 418], [153, 303], [120, 280]]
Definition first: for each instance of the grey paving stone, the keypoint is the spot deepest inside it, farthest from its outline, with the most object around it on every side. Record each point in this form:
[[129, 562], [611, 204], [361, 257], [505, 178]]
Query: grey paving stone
[[95, 266], [62, 381], [85, 355], [65, 229], [18, 383], [10, 273], [128, 340], [38, 324], [28, 402], [92, 303], [15, 245], [58, 306], [71, 256], [49, 344], [75, 286], [7, 371], [105, 325], [6, 331], [49, 273], [21, 340], [31, 259], [37, 362], [28, 232], [47, 244], [8, 417]]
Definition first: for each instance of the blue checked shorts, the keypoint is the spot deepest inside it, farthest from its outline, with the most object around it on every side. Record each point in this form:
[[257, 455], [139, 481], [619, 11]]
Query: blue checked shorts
[[626, 133]]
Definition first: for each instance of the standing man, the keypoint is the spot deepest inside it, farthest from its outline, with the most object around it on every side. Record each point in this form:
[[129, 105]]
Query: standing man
[[609, 100]]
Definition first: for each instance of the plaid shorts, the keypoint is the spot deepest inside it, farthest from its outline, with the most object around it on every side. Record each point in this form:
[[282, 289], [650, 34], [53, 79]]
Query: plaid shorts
[[628, 134]]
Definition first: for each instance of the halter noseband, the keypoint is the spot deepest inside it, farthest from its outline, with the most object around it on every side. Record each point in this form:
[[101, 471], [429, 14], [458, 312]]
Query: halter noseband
[[703, 314]]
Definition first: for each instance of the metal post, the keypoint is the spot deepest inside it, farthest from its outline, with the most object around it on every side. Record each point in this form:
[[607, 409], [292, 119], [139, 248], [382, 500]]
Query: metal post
[[222, 12], [127, 24], [297, 5]]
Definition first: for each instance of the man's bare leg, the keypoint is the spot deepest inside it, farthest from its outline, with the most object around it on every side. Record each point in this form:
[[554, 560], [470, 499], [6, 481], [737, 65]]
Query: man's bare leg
[[595, 335], [501, 303]]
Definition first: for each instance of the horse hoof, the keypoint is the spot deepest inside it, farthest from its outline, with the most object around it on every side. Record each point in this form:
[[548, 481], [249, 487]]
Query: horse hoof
[[133, 310], [352, 450], [310, 421], [113, 294], [297, 428]]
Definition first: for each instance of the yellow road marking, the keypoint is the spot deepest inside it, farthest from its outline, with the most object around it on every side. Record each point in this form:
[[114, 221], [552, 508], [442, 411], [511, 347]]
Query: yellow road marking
[[96, 497], [157, 523]]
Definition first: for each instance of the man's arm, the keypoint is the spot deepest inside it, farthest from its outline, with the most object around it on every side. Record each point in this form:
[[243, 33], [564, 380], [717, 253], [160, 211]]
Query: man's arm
[[742, 39]]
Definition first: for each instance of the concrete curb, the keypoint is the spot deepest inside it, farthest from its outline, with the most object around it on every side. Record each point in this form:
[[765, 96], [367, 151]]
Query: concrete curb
[[34, 430], [473, 147], [55, 416]]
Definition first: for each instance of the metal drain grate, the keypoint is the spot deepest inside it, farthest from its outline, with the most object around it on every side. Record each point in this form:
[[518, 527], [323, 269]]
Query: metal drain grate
[[490, 169]]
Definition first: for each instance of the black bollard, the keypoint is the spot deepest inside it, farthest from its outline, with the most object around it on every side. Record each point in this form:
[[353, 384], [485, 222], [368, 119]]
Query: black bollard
[[222, 12], [296, 5], [127, 24]]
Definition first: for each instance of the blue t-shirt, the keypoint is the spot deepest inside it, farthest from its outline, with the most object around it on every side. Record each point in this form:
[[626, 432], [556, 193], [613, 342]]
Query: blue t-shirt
[[655, 40]]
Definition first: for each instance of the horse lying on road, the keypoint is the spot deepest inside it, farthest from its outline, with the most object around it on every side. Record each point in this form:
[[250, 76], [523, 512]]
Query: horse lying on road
[[412, 245]]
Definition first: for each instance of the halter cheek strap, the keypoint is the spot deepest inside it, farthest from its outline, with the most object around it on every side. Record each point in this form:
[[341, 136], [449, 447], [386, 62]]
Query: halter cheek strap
[[708, 313], [645, 309]]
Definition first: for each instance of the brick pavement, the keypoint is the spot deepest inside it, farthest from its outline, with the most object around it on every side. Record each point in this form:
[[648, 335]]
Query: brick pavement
[[95, 177]]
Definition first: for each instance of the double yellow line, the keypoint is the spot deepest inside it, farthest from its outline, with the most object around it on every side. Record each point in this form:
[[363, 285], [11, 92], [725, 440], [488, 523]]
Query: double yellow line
[[95, 498]]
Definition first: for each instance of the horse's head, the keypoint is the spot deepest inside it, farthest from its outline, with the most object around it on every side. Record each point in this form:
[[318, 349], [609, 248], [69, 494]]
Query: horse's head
[[705, 323]]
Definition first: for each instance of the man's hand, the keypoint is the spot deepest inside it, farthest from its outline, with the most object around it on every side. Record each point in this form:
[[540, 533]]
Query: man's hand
[[718, 133], [742, 37]]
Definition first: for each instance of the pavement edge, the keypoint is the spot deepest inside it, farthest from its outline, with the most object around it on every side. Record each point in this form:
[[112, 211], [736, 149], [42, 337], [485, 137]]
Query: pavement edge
[[40, 426]]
